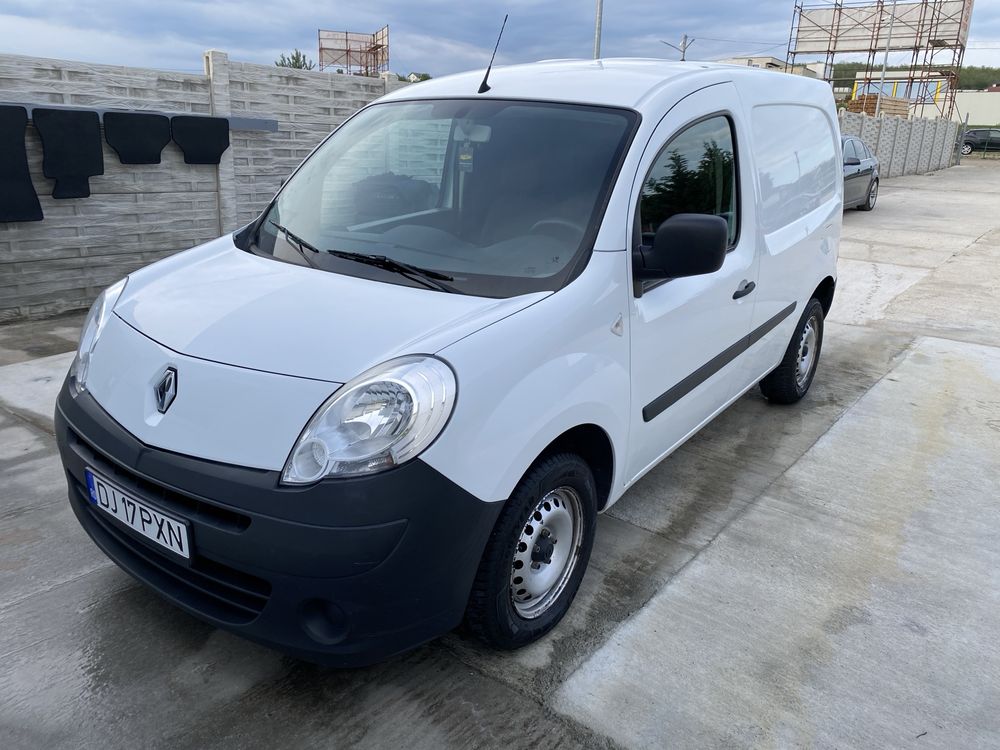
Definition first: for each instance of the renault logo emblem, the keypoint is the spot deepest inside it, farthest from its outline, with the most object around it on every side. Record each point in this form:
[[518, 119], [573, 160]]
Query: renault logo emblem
[[166, 390]]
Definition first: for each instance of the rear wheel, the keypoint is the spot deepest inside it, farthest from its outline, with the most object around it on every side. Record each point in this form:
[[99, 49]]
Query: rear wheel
[[537, 555], [869, 202], [789, 382]]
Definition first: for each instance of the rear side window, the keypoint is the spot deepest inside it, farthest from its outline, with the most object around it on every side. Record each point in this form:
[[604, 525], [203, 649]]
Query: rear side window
[[795, 148], [694, 173]]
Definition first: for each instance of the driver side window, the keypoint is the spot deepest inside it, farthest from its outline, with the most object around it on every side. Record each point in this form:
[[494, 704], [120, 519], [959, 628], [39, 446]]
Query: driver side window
[[694, 173]]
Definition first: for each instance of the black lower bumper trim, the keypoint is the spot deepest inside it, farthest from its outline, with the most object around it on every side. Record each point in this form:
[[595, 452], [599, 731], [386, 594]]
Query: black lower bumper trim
[[344, 572]]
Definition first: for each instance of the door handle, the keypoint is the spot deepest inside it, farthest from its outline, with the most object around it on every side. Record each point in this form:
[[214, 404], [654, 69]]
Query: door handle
[[744, 289]]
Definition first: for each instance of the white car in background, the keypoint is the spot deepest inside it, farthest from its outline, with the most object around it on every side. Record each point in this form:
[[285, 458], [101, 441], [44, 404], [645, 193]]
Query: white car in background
[[465, 326]]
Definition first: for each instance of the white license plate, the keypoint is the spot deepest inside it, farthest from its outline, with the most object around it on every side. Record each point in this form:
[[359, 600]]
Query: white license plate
[[152, 524]]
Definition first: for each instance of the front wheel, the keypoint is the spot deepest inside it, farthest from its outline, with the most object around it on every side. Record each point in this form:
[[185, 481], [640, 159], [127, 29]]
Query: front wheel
[[791, 379], [537, 555], [966, 149]]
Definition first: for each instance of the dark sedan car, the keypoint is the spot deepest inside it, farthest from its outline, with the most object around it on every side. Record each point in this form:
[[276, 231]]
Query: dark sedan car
[[981, 139], [860, 174]]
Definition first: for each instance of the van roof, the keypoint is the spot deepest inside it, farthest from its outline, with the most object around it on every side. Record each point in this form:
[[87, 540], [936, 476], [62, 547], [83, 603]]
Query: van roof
[[619, 82]]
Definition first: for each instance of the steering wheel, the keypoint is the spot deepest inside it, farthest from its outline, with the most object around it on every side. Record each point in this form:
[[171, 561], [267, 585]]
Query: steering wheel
[[562, 226]]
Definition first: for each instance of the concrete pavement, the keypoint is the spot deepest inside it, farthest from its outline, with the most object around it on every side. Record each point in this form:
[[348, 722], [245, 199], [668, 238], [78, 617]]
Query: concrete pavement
[[821, 575]]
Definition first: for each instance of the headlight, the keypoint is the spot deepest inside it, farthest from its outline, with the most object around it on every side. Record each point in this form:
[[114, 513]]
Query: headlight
[[93, 325], [382, 418]]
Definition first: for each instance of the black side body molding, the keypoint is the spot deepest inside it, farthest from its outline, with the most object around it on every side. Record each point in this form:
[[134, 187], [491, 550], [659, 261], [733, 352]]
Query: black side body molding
[[670, 397]]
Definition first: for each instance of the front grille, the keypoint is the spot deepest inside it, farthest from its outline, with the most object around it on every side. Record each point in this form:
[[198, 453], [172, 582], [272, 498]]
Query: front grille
[[180, 504], [207, 586]]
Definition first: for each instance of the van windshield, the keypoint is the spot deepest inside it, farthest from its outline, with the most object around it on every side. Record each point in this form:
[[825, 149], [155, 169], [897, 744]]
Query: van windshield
[[483, 197]]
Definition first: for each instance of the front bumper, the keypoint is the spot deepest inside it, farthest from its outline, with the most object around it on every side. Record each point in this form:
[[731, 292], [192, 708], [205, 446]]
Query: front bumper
[[344, 572]]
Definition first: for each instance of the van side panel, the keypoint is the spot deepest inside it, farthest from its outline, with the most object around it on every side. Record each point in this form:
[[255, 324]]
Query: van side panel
[[528, 378], [799, 182]]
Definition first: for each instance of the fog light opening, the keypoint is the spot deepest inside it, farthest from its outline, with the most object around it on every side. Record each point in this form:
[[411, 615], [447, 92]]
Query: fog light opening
[[323, 621]]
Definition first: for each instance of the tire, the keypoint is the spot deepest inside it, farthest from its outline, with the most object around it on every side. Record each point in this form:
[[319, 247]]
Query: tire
[[556, 497], [789, 382], [869, 202], [966, 149]]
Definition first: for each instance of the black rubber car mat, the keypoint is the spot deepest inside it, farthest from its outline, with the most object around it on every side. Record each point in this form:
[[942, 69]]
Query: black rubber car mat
[[137, 137], [202, 139], [71, 142], [18, 199]]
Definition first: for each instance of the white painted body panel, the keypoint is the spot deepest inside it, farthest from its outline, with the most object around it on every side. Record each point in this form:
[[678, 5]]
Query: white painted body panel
[[229, 306], [683, 323], [527, 379], [260, 344], [221, 413]]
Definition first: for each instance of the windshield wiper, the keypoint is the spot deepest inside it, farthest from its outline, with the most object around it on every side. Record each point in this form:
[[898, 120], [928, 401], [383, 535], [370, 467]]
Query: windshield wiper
[[296, 242], [426, 276]]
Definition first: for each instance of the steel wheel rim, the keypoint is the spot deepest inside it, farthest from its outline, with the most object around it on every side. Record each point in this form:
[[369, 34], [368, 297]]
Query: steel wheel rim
[[554, 526], [873, 193], [807, 351]]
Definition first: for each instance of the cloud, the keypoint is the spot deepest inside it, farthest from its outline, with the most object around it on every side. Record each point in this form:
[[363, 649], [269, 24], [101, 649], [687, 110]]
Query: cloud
[[436, 36]]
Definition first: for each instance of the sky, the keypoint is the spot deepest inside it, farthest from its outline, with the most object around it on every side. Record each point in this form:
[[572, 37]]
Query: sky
[[434, 36]]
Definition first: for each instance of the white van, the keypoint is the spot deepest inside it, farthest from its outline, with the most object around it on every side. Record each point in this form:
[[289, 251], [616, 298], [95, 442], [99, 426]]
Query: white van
[[465, 326]]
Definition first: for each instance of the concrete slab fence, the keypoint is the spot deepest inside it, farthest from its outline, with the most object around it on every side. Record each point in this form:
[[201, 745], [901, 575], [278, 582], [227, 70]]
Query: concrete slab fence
[[904, 145], [137, 214]]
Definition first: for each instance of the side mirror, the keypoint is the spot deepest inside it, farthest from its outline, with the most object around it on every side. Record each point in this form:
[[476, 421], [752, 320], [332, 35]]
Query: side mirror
[[684, 245], [852, 161]]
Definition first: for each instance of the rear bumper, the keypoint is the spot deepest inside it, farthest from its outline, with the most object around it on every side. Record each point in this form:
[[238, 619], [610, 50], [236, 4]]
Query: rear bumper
[[344, 572]]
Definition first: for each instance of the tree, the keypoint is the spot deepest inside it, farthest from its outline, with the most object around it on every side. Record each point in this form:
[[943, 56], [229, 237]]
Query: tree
[[420, 76], [681, 189], [296, 60]]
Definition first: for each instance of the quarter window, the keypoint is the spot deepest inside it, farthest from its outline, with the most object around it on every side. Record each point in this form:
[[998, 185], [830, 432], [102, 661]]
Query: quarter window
[[695, 173]]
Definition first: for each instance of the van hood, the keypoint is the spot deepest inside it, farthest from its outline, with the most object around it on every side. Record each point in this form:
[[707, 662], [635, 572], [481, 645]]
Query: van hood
[[219, 303]]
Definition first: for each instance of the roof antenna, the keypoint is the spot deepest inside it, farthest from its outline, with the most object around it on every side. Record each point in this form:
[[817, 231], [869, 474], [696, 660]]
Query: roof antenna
[[484, 86]]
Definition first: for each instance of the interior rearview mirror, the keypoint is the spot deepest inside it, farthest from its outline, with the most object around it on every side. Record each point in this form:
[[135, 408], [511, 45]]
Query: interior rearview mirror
[[473, 133], [852, 161], [684, 245]]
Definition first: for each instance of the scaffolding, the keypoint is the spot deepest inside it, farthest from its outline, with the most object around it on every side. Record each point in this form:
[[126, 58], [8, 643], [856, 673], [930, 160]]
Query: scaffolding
[[353, 53], [932, 33]]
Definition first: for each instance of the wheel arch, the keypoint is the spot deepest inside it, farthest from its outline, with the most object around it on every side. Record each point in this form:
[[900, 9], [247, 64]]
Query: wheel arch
[[593, 445], [824, 293]]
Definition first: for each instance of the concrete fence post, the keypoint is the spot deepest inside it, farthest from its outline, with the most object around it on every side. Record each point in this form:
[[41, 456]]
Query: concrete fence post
[[217, 70], [912, 146], [939, 141], [887, 144], [926, 139]]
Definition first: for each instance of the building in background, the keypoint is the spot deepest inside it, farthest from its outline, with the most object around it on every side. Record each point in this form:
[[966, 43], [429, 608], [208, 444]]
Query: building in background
[[982, 107], [810, 70]]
